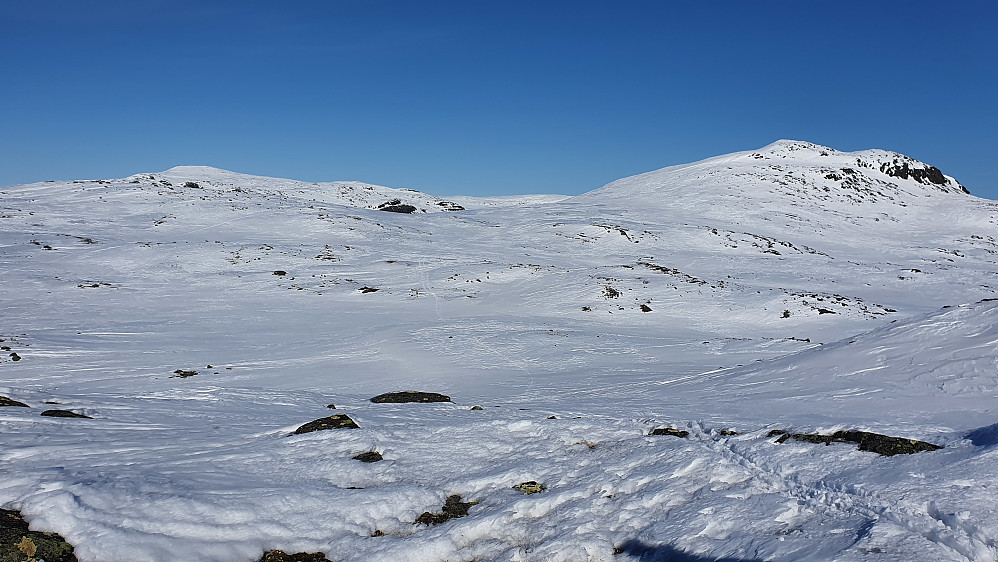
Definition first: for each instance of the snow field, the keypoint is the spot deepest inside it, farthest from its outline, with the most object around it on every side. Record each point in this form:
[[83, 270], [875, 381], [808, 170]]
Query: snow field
[[108, 287]]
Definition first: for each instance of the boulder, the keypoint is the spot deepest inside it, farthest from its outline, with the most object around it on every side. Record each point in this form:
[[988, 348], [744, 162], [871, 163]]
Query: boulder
[[19, 544], [530, 487], [370, 456], [669, 431], [409, 396], [396, 206], [64, 414], [281, 556], [873, 442], [4, 401], [338, 421], [453, 508]]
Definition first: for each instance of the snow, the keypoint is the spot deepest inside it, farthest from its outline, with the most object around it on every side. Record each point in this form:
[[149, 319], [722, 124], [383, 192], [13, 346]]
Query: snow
[[736, 256]]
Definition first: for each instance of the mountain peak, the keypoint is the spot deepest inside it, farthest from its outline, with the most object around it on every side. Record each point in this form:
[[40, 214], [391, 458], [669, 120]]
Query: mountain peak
[[786, 170], [893, 164], [195, 170], [206, 173], [786, 146]]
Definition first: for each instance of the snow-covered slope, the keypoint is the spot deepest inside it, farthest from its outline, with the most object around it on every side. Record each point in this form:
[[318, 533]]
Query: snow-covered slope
[[348, 193], [794, 287]]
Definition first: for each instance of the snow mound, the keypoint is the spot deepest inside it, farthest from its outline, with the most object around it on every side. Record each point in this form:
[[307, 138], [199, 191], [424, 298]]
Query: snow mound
[[936, 368], [797, 172], [346, 193]]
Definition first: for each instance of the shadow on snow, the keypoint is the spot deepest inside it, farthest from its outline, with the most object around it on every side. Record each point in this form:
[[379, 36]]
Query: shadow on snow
[[984, 436], [665, 553]]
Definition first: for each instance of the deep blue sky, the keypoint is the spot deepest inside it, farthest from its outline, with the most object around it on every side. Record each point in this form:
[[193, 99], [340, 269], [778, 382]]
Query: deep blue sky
[[468, 97]]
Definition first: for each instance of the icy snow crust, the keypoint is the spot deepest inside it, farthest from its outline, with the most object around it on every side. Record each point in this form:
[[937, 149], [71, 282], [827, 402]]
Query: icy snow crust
[[779, 296]]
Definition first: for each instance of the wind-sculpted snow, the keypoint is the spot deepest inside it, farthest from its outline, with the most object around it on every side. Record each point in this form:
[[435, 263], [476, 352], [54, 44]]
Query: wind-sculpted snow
[[793, 289]]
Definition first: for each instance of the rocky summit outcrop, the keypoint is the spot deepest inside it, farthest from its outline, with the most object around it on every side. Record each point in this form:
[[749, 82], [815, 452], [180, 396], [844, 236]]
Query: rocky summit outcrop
[[397, 206]]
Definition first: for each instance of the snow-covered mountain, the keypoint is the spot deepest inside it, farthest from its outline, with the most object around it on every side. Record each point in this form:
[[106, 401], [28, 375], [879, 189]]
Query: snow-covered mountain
[[792, 288]]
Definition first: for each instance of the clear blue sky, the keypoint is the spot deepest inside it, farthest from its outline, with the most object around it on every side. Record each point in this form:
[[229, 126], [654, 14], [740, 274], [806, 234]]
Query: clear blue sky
[[469, 97]]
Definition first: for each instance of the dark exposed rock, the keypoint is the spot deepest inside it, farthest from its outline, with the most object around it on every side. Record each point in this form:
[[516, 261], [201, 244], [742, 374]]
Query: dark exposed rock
[[64, 414], [15, 357], [281, 556], [929, 175], [182, 374], [370, 456], [338, 421], [728, 432], [530, 487], [280, 272], [453, 508], [396, 206], [409, 396], [669, 431], [825, 311], [775, 432], [331, 406], [477, 408], [645, 308], [18, 544], [450, 206], [4, 401], [873, 442], [366, 290], [192, 185], [675, 272]]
